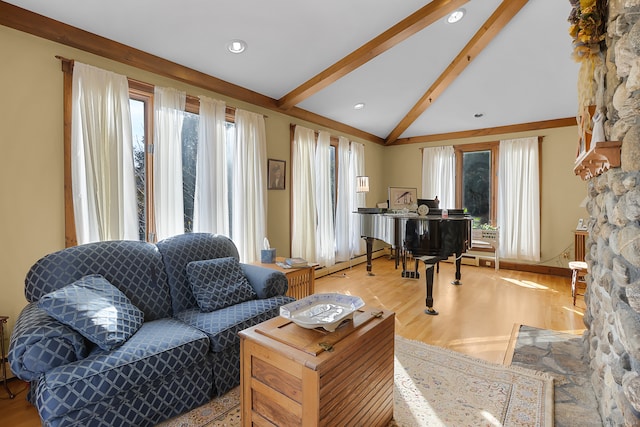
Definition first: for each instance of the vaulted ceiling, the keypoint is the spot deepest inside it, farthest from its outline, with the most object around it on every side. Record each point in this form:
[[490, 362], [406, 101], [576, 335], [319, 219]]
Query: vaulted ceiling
[[505, 64]]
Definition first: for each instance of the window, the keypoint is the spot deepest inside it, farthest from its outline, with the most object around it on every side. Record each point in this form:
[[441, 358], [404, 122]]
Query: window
[[231, 137], [321, 226], [334, 175], [476, 183], [138, 121], [189, 158], [141, 108], [335, 165]]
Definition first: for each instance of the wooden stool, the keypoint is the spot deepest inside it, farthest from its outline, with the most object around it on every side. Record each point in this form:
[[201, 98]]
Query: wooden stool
[[578, 273]]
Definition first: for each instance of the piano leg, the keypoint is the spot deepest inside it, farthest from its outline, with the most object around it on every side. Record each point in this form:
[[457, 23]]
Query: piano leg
[[369, 241], [458, 264], [396, 256], [429, 277], [429, 264]]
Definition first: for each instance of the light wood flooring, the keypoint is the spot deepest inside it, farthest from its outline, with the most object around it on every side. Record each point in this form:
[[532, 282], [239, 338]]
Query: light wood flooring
[[476, 318]]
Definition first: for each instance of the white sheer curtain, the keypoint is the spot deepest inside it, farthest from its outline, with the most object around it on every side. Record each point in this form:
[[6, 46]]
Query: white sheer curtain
[[249, 202], [439, 175], [357, 200], [326, 239], [303, 221], [342, 203], [102, 168], [168, 116], [519, 199], [211, 206]]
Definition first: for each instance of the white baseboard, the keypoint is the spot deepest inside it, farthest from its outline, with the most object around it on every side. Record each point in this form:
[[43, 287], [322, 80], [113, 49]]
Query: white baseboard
[[325, 271]]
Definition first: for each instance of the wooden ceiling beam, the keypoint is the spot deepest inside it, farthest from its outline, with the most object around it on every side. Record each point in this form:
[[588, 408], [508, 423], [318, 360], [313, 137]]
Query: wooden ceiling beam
[[500, 130], [498, 20], [401, 31]]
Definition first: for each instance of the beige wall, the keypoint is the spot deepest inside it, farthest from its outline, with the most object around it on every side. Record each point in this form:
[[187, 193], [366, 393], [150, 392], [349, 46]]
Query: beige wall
[[31, 164]]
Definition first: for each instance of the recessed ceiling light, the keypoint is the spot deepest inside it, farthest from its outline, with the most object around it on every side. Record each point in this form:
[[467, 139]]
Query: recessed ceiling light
[[478, 115], [359, 106], [456, 16], [236, 46]]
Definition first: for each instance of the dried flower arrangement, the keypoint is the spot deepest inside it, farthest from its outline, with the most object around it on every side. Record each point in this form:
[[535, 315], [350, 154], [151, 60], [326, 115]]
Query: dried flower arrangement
[[588, 20], [588, 26]]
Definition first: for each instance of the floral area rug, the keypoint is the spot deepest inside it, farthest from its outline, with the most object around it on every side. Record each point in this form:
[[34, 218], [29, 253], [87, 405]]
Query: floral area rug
[[440, 387], [219, 412], [433, 387]]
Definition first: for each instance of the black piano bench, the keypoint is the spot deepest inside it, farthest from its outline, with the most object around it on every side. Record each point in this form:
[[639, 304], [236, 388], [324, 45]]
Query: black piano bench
[[429, 263]]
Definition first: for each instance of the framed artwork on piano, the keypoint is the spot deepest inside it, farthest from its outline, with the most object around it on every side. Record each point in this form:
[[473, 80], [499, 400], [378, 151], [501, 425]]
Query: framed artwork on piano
[[403, 198]]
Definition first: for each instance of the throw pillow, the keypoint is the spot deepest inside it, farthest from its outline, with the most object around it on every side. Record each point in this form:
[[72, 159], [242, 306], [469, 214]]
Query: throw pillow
[[96, 309], [219, 283]]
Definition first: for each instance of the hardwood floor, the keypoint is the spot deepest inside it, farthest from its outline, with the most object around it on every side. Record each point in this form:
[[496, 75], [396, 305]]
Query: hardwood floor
[[17, 412], [476, 318]]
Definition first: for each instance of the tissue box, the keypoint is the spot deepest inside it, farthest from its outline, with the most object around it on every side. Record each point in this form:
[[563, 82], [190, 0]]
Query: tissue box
[[268, 256]]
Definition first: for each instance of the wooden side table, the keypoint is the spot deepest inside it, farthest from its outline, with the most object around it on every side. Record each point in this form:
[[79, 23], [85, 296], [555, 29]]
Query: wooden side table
[[292, 376], [301, 280], [3, 357]]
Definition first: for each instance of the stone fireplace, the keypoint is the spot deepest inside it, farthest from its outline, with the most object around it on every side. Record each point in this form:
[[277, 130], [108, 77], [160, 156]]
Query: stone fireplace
[[612, 339]]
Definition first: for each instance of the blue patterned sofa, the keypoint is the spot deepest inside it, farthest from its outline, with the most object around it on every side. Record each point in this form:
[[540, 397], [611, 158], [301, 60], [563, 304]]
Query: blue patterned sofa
[[166, 354]]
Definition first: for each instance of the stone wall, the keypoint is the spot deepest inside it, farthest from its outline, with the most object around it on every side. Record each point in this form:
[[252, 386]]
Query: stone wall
[[612, 339]]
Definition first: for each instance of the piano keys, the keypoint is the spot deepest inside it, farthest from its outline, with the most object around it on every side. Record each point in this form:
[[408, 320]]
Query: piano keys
[[429, 238]]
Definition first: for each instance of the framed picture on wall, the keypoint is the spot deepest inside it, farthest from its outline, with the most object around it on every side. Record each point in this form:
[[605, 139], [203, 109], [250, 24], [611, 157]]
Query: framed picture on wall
[[276, 174], [403, 198]]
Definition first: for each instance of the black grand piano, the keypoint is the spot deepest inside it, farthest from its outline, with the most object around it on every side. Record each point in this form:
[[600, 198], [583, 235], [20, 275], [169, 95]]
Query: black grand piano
[[429, 238]]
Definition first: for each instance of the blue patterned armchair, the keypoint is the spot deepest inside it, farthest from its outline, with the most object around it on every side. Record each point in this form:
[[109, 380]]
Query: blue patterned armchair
[[113, 333]]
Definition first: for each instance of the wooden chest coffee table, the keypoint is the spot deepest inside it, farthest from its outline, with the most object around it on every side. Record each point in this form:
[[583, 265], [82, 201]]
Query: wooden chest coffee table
[[292, 376]]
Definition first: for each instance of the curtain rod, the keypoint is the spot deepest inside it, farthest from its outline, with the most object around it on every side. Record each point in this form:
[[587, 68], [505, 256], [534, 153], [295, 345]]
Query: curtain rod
[[67, 66], [316, 132], [540, 140], [435, 146]]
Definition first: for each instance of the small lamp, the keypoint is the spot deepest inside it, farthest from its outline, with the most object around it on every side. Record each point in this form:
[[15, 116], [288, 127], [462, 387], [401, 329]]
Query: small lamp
[[362, 184]]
